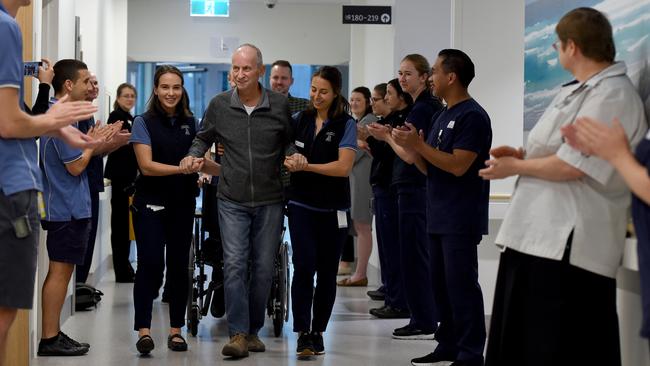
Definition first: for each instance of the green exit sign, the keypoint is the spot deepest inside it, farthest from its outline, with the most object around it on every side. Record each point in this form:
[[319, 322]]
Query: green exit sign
[[210, 8]]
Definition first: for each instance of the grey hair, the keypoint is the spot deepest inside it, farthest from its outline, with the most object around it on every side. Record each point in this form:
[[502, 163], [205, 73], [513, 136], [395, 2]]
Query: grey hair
[[260, 62]]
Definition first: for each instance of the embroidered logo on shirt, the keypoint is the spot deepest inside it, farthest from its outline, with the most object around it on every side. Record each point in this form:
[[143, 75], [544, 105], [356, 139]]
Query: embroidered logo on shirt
[[451, 124], [187, 129], [329, 134]]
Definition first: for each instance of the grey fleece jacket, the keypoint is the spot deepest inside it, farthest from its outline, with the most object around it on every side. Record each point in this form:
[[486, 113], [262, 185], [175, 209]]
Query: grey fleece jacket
[[255, 146]]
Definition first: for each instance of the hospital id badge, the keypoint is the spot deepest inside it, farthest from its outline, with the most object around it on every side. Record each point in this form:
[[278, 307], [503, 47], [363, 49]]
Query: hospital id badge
[[342, 218]]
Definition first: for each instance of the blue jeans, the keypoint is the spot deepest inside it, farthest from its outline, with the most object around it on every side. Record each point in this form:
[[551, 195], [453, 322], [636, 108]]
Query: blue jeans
[[249, 235]]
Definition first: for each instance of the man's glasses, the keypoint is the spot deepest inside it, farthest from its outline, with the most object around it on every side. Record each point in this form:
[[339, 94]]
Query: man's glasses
[[556, 44]]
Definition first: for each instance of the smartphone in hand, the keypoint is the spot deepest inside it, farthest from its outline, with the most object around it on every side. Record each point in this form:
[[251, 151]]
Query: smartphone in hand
[[31, 68]]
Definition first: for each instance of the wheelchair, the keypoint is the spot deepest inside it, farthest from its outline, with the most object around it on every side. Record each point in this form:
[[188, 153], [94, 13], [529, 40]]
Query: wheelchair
[[207, 251]]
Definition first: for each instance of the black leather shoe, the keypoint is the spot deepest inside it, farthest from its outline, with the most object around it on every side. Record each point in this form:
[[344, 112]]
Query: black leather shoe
[[59, 346], [376, 295], [389, 312], [72, 341]]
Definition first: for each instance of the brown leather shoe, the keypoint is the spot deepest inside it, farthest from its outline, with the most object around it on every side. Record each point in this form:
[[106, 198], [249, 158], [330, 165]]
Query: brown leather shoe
[[255, 344], [347, 282], [237, 347]]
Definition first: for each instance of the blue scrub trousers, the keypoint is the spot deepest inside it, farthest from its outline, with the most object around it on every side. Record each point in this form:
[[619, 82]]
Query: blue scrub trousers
[[386, 222], [458, 297], [317, 242], [416, 257]]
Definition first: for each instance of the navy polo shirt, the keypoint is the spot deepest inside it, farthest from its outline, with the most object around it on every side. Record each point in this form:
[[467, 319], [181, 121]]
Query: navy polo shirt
[[424, 107], [459, 205], [95, 168], [18, 165]]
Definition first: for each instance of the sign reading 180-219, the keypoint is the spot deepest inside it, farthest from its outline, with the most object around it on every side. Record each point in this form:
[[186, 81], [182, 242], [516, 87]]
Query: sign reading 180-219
[[366, 14]]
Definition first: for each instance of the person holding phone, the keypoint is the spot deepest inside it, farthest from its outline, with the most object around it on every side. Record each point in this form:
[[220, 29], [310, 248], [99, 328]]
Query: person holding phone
[[20, 178]]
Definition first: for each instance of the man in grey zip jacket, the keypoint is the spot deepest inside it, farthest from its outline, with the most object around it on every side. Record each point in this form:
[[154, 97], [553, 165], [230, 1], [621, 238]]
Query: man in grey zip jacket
[[254, 126]]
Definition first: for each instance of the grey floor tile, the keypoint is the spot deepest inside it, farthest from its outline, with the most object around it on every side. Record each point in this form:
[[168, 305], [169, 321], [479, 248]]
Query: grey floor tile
[[353, 337]]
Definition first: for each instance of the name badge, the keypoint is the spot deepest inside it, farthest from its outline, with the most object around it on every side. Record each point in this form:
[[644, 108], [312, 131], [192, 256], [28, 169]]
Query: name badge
[[451, 124], [342, 218], [300, 144]]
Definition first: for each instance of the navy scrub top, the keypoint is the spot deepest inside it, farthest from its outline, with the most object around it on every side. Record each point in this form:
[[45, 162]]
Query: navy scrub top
[[459, 205]]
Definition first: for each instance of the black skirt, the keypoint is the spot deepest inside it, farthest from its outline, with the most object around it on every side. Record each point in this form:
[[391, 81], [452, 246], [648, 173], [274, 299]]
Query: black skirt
[[551, 313]]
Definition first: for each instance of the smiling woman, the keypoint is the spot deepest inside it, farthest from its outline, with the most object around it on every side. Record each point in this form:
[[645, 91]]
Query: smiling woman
[[164, 198]]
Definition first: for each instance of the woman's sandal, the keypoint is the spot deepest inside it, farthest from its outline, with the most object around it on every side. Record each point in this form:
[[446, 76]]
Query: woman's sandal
[[145, 344], [176, 346]]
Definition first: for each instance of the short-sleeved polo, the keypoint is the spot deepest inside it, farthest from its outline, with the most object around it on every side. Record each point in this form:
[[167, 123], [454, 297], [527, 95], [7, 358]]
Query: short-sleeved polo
[[66, 196], [139, 132], [349, 140], [18, 166], [459, 205]]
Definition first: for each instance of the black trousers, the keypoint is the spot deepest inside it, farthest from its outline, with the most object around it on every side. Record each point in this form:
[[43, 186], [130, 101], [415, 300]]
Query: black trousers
[[317, 241], [83, 270], [168, 229], [120, 242]]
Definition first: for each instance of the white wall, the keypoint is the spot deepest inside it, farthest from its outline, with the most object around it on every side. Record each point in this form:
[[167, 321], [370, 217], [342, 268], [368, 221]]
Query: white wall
[[492, 34], [421, 26], [371, 52], [162, 30]]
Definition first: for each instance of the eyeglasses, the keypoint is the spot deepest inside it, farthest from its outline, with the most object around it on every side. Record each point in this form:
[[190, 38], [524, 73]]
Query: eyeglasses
[[556, 44], [377, 99]]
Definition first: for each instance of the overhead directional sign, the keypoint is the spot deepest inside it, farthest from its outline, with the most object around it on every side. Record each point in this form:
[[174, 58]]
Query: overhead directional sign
[[367, 14]]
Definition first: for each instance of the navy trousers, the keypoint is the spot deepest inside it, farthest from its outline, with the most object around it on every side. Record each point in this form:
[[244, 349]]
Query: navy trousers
[[458, 297], [317, 242], [156, 232], [416, 257], [386, 221]]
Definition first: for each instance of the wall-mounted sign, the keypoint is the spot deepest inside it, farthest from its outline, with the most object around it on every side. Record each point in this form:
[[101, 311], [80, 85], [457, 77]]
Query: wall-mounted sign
[[367, 14], [210, 8]]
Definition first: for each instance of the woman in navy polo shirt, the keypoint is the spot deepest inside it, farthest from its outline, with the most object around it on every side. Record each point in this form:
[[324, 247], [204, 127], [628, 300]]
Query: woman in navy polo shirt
[[319, 204], [163, 205]]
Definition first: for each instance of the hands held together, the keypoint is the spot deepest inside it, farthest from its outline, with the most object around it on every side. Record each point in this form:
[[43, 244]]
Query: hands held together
[[295, 162], [191, 165]]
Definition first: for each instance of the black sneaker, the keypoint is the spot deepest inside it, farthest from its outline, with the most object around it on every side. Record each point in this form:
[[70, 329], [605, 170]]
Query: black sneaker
[[305, 345], [72, 341], [374, 310], [389, 312], [432, 359], [317, 341], [410, 332], [377, 295], [59, 346]]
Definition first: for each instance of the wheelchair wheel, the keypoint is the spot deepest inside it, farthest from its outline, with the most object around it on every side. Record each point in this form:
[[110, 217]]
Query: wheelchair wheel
[[192, 307], [281, 301]]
